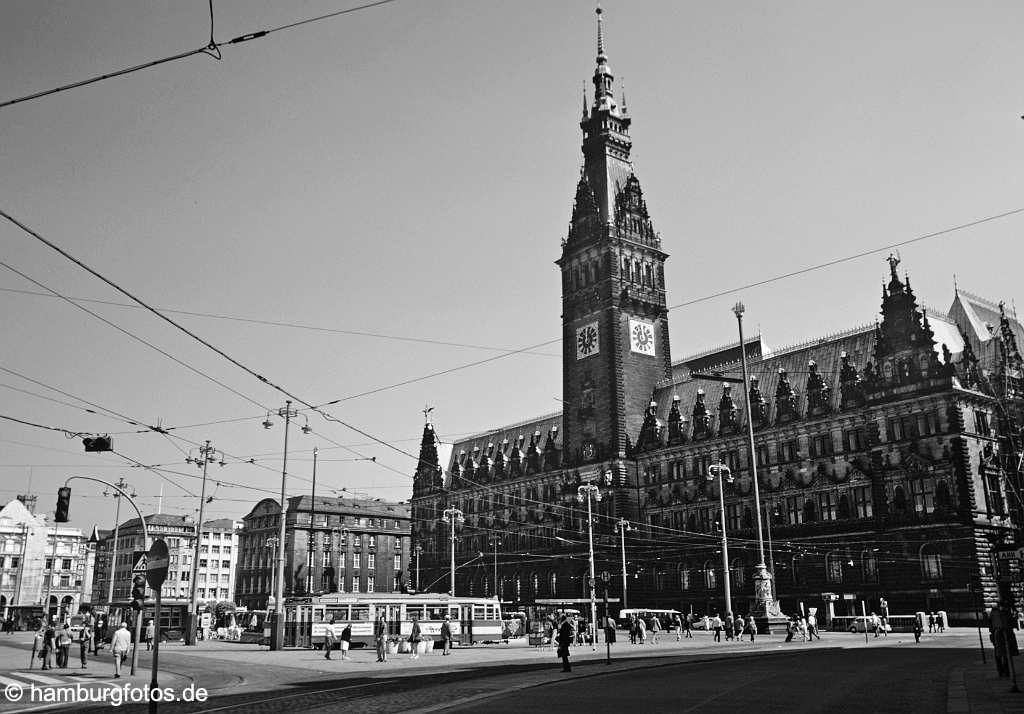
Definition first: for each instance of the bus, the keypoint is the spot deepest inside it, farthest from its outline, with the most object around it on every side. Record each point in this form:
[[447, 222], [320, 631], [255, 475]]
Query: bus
[[472, 619]]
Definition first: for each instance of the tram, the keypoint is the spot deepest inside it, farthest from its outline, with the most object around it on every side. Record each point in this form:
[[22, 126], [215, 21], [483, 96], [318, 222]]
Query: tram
[[472, 619]]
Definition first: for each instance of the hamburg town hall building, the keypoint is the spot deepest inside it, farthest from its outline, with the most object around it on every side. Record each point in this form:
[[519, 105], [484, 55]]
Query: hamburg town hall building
[[887, 456]]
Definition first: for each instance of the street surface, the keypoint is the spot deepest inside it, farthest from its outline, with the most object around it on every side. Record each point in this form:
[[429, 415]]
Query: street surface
[[840, 673]]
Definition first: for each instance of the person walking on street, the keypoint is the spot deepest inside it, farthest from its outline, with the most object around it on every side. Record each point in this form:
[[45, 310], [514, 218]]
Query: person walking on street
[[380, 633], [751, 627], [84, 640], [446, 635], [790, 629], [940, 623], [49, 642], [37, 646], [120, 644], [564, 640], [346, 641], [812, 627], [716, 625], [414, 638], [918, 629], [931, 623], [727, 624], [634, 630], [64, 640], [688, 626], [738, 624], [655, 629], [677, 625], [150, 633], [641, 630], [1004, 642], [329, 639]]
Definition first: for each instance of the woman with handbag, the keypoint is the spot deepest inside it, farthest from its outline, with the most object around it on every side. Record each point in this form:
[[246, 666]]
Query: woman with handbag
[[414, 638], [346, 641]]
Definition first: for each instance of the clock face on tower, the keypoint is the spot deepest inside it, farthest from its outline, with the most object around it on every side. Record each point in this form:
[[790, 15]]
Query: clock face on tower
[[587, 340], [641, 337]]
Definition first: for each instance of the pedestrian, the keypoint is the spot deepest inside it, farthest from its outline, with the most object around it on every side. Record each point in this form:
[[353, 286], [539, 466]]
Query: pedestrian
[[918, 629], [49, 642], [677, 625], [655, 629], [329, 639], [876, 624], [120, 643], [790, 629], [1004, 642], [812, 627], [728, 625], [564, 640], [738, 624], [688, 626], [84, 640], [931, 623], [716, 625], [37, 647], [634, 630], [64, 640], [801, 626], [446, 635], [414, 638], [380, 633], [940, 622], [641, 630], [751, 627], [346, 641], [150, 633]]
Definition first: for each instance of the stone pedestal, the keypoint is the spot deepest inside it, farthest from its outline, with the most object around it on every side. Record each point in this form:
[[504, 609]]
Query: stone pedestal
[[765, 608]]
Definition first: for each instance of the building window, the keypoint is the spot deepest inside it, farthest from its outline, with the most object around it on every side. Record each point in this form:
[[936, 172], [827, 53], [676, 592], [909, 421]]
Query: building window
[[921, 496], [834, 568], [325, 559], [65, 564], [931, 564], [763, 455], [844, 507], [981, 423], [869, 567], [862, 501], [398, 562], [357, 540], [684, 577], [732, 460], [993, 492], [821, 445], [372, 541], [826, 506], [899, 500], [853, 440], [943, 498], [736, 573], [794, 516], [371, 561], [49, 564], [810, 512], [732, 517], [710, 578], [65, 581], [369, 583], [355, 561]]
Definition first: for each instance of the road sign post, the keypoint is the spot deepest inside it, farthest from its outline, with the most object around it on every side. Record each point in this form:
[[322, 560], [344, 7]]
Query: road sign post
[[157, 561], [139, 557]]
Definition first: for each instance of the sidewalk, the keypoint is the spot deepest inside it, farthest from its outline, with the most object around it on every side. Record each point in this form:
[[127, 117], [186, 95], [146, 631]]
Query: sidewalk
[[975, 688]]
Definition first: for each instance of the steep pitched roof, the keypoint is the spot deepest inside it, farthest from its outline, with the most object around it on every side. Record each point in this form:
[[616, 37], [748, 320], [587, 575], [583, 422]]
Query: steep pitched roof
[[512, 432]]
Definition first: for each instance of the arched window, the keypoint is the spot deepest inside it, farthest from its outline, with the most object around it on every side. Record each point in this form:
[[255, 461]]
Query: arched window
[[834, 568], [844, 507], [534, 584], [943, 498], [710, 577], [869, 566], [931, 562], [518, 586], [899, 500], [684, 577], [553, 583], [736, 573], [810, 512]]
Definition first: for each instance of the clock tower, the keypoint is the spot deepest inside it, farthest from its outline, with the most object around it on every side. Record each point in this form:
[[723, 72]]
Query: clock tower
[[615, 344]]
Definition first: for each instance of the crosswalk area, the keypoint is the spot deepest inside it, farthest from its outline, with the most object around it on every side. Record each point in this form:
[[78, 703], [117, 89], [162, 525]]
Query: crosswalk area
[[52, 678]]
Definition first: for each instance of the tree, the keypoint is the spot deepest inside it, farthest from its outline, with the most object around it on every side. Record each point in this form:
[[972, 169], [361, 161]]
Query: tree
[[221, 611]]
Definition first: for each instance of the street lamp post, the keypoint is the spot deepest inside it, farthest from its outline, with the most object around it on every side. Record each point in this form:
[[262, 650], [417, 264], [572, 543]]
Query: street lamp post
[[585, 492], [311, 546], [418, 550], [764, 600], [121, 485], [495, 542], [724, 475], [207, 454], [277, 635], [272, 544], [451, 517], [622, 526]]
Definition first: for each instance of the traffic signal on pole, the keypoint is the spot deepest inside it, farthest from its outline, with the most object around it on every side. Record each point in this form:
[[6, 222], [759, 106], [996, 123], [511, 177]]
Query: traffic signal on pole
[[138, 591], [63, 504], [98, 443]]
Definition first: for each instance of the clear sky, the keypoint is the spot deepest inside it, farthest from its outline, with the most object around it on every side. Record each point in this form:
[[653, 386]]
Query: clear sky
[[409, 171]]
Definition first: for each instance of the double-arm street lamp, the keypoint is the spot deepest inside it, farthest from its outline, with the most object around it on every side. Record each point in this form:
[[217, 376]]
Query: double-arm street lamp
[[586, 492], [451, 517], [724, 475], [622, 525], [207, 455]]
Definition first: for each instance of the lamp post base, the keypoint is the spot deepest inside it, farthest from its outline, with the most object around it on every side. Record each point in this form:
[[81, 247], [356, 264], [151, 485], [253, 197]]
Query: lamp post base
[[765, 609]]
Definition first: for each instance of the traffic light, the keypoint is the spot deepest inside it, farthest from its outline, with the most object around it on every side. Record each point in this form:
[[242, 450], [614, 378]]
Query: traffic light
[[98, 443], [138, 591], [63, 504]]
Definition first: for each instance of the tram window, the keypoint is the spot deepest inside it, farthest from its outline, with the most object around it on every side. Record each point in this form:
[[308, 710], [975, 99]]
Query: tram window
[[414, 610], [360, 612], [436, 612], [480, 612]]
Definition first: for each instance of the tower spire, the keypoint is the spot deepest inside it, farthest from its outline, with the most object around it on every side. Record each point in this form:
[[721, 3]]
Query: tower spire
[[601, 57]]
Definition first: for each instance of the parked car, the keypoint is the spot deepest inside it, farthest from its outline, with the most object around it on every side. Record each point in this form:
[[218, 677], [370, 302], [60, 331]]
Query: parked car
[[862, 624]]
